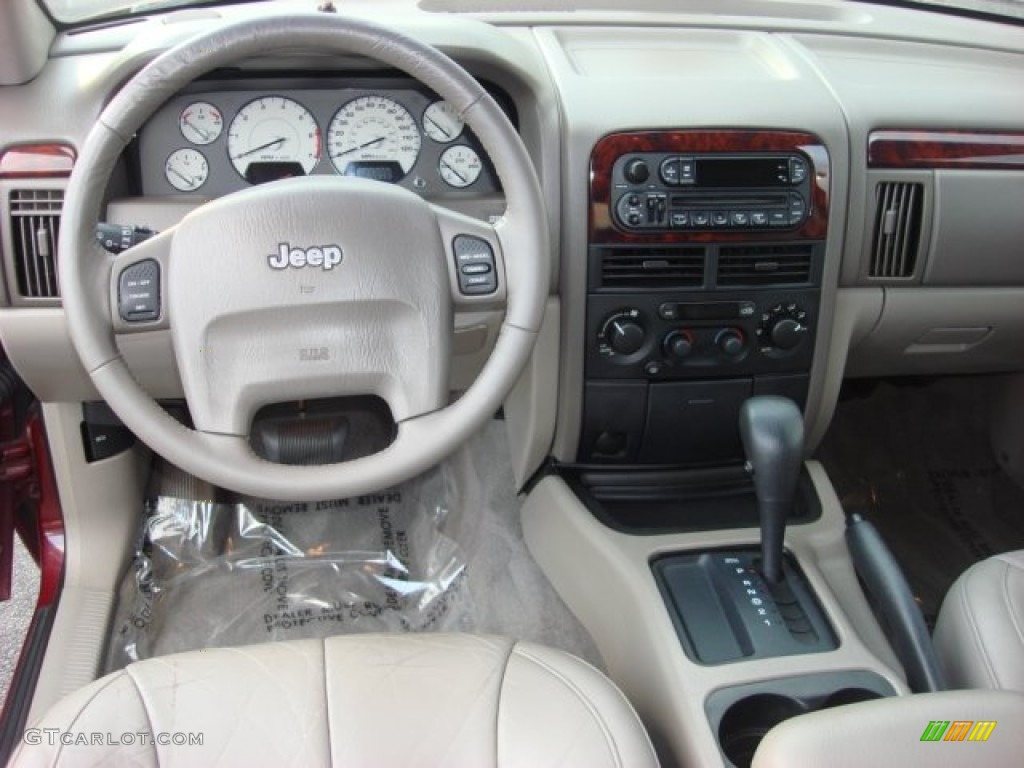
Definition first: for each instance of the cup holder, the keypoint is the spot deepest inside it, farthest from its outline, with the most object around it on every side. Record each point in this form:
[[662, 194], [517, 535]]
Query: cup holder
[[747, 721], [850, 696]]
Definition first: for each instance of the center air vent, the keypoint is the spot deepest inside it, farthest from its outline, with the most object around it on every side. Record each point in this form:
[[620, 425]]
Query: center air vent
[[35, 225], [747, 265], [897, 229], [653, 268]]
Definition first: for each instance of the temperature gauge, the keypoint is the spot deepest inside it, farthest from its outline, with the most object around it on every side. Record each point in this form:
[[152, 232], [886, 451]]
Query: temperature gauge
[[201, 122], [459, 166], [186, 169]]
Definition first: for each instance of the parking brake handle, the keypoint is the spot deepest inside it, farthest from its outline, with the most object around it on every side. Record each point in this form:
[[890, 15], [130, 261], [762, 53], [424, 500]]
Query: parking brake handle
[[772, 430]]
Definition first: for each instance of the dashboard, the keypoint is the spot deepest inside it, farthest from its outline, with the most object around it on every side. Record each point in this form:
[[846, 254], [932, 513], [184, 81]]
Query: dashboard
[[219, 137]]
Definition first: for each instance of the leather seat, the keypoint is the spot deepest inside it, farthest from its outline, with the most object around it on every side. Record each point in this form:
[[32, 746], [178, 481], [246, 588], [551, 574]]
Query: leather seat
[[356, 700], [979, 636]]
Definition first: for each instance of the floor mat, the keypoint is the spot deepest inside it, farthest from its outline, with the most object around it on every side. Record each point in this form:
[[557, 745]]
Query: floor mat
[[443, 552], [916, 460]]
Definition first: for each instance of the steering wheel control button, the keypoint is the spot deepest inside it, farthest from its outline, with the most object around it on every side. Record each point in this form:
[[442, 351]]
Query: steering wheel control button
[[138, 292], [474, 259]]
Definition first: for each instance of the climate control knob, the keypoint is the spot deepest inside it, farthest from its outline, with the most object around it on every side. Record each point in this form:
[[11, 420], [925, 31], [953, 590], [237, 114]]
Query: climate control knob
[[730, 341], [622, 334], [786, 333], [625, 336], [782, 328], [678, 344]]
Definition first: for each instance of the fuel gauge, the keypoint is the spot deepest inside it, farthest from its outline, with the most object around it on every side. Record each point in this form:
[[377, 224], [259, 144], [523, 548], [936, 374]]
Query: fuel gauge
[[186, 169]]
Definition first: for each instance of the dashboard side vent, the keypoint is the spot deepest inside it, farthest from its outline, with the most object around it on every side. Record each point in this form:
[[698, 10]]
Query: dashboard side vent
[[764, 264], [897, 229], [653, 268], [35, 226]]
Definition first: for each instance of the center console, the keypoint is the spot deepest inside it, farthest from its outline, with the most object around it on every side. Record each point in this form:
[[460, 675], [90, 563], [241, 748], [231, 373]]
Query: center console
[[706, 253], [705, 258]]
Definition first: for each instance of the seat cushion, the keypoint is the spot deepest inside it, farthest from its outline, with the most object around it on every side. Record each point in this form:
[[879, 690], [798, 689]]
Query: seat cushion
[[979, 636], [355, 700]]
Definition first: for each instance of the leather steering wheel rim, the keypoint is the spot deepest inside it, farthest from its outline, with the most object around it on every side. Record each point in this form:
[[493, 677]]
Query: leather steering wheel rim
[[86, 271]]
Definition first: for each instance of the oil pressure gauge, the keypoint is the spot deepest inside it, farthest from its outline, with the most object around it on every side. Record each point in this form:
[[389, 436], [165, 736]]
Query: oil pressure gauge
[[186, 169], [459, 166]]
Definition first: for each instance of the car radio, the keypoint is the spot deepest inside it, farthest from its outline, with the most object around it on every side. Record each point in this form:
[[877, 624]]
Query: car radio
[[659, 191]]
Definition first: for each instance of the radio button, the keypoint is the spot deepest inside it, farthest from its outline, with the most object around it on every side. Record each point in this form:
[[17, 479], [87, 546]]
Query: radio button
[[720, 218], [670, 171], [687, 170], [758, 219], [797, 170], [636, 171], [740, 218]]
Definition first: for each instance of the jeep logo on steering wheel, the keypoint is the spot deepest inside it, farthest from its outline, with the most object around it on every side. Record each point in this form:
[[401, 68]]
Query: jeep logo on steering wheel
[[324, 256]]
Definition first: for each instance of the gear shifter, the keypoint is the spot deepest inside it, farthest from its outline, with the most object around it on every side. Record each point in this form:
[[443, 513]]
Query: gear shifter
[[772, 430]]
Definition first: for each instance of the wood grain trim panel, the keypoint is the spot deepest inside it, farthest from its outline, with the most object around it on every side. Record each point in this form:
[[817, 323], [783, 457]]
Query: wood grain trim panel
[[602, 225], [946, 149]]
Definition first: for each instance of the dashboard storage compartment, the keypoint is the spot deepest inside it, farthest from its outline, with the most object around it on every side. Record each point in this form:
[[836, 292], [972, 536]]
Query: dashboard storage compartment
[[694, 422]]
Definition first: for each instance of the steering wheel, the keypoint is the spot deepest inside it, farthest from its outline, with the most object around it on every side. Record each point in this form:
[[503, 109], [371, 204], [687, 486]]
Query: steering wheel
[[363, 303]]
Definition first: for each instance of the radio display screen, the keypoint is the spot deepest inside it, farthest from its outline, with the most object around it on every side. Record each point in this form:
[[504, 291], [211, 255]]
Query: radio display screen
[[742, 171]]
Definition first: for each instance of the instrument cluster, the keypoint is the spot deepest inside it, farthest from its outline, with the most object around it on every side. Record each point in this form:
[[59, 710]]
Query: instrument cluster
[[213, 142]]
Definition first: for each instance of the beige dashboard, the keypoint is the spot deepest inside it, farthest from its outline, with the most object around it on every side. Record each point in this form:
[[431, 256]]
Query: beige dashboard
[[846, 73]]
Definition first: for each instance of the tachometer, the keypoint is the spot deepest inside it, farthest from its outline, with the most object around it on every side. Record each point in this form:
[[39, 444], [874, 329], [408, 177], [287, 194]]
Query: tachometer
[[273, 137], [373, 136]]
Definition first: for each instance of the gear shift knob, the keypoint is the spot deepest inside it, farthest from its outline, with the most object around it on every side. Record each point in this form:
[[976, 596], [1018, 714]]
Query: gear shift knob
[[772, 430]]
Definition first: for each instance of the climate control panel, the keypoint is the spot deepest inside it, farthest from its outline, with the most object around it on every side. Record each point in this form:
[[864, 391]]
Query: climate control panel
[[690, 335]]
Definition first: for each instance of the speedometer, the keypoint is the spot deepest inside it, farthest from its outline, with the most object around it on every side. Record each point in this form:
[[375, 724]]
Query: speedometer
[[272, 138], [374, 137]]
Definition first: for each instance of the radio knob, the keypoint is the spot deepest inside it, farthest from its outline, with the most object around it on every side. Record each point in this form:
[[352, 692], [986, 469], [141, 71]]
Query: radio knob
[[636, 171], [625, 337], [786, 333], [730, 341], [678, 344]]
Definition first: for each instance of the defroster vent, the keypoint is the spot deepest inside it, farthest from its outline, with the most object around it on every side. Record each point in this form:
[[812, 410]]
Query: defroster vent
[[897, 229], [755, 265], [653, 268], [35, 225]]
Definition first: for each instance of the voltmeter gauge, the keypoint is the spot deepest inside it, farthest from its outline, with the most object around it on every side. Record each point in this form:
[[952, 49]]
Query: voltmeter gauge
[[186, 169], [201, 122], [459, 166]]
